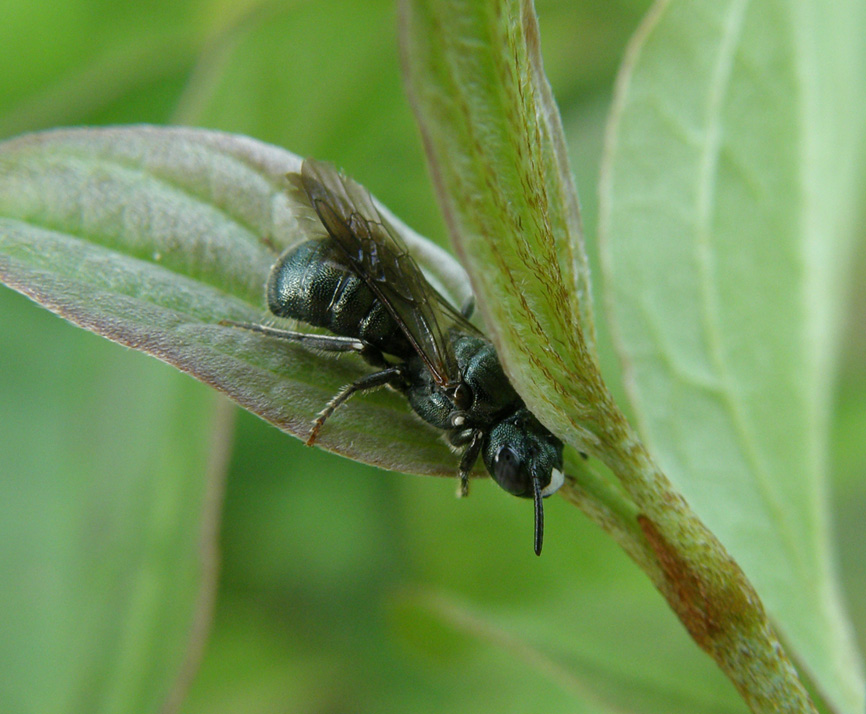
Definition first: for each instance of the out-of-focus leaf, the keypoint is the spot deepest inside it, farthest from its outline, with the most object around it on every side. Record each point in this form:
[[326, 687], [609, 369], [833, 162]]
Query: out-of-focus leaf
[[727, 207], [72, 62], [585, 670], [152, 236], [108, 513]]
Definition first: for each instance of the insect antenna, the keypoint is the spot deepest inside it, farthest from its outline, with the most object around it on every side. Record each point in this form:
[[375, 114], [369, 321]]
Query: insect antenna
[[539, 514]]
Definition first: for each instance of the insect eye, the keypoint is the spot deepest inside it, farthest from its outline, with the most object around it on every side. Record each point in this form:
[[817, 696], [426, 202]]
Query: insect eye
[[463, 396], [506, 471]]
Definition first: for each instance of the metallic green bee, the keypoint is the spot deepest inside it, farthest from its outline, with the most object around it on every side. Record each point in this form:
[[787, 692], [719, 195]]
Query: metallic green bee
[[361, 284]]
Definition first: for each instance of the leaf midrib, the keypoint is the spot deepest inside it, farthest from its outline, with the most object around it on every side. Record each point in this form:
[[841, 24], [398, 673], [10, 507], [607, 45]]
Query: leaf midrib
[[708, 285]]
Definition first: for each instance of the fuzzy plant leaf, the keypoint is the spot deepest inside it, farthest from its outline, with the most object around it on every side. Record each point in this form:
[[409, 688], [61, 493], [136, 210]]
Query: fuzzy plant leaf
[[497, 155], [727, 207], [109, 506], [152, 236]]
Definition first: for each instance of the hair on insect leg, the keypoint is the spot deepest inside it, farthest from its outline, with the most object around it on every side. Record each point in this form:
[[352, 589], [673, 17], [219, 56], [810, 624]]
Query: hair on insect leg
[[392, 375], [388, 374], [322, 343]]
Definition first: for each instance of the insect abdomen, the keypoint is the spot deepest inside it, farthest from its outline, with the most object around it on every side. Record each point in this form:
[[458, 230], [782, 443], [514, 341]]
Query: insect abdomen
[[314, 284]]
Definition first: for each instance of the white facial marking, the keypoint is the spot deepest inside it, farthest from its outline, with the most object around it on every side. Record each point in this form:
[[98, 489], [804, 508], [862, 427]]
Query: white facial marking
[[557, 478], [458, 421]]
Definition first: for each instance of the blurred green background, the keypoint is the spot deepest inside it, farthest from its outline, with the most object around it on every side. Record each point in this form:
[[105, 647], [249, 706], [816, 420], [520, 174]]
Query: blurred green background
[[340, 587]]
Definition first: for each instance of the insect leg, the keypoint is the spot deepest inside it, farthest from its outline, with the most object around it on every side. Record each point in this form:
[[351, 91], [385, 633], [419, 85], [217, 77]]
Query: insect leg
[[468, 307], [325, 343], [391, 375], [467, 461]]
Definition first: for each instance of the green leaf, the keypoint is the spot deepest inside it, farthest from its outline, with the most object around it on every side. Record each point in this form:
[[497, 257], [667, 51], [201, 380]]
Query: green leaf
[[584, 668], [728, 199], [108, 512], [497, 153], [151, 237], [494, 142]]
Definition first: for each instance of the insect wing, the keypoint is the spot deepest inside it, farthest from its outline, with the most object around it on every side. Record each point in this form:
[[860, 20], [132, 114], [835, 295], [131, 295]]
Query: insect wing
[[381, 259]]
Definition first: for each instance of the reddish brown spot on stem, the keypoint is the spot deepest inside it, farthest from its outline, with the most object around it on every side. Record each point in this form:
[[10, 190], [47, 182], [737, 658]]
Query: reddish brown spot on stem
[[705, 605]]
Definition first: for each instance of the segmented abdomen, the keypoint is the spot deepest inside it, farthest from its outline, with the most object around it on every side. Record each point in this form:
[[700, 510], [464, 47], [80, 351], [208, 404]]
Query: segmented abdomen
[[313, 283]]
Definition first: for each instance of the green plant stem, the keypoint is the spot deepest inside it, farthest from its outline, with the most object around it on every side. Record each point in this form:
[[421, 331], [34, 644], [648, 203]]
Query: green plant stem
[[702, 583], [689, 566], [610, 508]]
